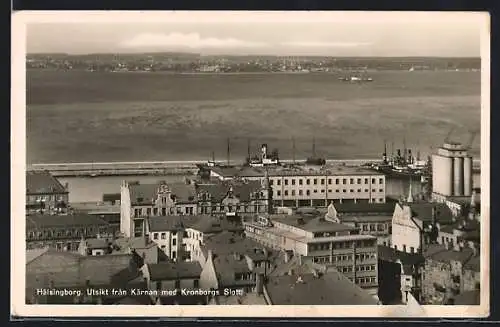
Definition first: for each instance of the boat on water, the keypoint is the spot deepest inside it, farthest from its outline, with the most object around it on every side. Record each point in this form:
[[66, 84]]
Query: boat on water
[[355, 78], [402, 165]]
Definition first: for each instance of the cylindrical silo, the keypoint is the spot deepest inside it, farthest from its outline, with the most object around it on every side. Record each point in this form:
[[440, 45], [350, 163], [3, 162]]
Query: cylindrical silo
[[458, 176], [442, 175], [468, 176]]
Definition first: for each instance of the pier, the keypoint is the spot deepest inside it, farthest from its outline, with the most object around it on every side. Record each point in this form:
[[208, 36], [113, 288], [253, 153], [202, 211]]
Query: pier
[[160, 168]]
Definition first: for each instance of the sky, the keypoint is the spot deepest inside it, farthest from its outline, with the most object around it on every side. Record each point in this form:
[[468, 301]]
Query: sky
[[306, 33]]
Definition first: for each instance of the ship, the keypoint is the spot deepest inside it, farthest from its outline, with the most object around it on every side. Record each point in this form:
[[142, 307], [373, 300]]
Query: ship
[[403, 165]]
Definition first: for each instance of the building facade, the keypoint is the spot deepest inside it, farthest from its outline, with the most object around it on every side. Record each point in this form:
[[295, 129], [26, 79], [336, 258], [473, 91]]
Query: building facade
[[139, 202], [45, 194], [321, 241], [313, 186], [64, 233]]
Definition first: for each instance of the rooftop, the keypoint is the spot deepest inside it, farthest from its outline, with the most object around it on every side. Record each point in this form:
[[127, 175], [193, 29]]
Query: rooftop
[[42, 182], [175, 223], [66, 221], [241, 190], [98, 243], [146, 194], [174, 271], [302, 170], [310, 224], [442, 254], [365, 208], [66, 269], [329, 288], [227, 265], [227, 243]]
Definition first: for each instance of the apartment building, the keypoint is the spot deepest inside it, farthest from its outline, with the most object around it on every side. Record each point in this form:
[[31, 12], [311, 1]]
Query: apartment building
[[321, 241]]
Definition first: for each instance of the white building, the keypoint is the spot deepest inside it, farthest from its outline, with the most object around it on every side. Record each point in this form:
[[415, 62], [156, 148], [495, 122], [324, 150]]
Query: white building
[[303, 186]]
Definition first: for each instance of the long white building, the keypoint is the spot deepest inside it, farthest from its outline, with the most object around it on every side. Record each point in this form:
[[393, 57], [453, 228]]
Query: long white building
[[303, 186]]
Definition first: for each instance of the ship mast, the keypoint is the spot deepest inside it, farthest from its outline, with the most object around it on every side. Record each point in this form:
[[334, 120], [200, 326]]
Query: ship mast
[[293, 149], [228, 151]]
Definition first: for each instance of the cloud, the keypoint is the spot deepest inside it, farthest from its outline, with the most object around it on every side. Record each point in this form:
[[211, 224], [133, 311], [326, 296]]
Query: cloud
[[189, 40], [319, 44]]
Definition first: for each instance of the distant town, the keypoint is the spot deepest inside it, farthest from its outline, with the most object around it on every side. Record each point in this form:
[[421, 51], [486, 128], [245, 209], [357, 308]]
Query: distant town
[[263, 232], [195, 63]]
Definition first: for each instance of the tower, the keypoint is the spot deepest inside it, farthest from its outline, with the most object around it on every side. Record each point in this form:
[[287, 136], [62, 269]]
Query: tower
[[268, 191]]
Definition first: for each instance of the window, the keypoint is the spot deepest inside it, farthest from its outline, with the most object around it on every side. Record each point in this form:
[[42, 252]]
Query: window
[[163, 236], [315, 191], [286, 181], [345, 191], [308, 181], [300, 192], [174, 242], [359, 180], [322, 191], [293, 181], [300, 182], [381, 190], [374, 180], [351, 191], [366, 180], [308, 192], [351, 180], [174, 255], [155, 236], [344, 181], [329, 181], [271, 182], [329, 191], [322, 181], [359, 190], [315, 181], [278, 193], [337, 181], [381, 181], [337, 191], [278, 182], [293, 192], [163, 247], [286, 192], [374, 190]]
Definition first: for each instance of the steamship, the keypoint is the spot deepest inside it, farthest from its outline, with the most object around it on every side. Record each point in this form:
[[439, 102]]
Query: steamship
[[404, 165]]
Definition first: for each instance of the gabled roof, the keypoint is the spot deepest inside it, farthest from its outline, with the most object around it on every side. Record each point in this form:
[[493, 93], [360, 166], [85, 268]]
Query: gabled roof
[[241, 190], [230, 242], [365, 208], [146, 194], [174, 271], [66, 221], [42, 182], [330, 288]]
